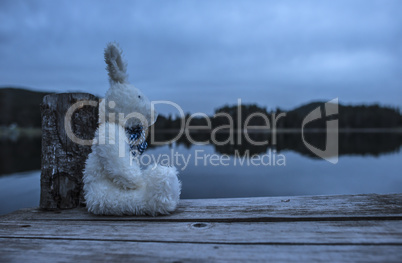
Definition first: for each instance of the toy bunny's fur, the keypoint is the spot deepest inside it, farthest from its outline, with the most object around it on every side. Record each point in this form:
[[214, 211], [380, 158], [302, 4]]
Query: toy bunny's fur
[[114, 183]]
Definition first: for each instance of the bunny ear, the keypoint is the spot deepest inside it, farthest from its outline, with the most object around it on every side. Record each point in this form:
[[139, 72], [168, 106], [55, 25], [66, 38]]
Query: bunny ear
[[116, 67]]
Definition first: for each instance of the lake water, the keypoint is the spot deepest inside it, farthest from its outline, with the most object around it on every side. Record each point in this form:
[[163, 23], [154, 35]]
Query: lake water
[[368, 163]]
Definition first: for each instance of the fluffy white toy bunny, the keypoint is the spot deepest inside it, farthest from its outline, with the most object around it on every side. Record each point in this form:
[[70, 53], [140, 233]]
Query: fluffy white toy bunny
[[114, 183]]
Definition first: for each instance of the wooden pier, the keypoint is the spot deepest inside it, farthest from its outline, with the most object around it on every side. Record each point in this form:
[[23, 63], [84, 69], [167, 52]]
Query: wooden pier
[[343, 228]]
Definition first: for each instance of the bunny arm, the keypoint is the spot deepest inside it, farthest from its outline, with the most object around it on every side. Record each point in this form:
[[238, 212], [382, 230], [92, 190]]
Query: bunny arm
[[113, 152]]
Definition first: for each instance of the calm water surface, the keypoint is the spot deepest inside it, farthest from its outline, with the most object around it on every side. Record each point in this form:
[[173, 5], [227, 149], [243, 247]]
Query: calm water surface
[[213, 172]]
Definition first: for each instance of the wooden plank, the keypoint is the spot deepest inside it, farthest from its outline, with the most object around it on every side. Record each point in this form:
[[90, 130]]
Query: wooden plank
[[285, 229], [263, 209], [313, 233], [37, 250]]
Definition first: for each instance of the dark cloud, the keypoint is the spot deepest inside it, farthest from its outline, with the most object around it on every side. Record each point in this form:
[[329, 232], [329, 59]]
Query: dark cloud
[[203, 54]]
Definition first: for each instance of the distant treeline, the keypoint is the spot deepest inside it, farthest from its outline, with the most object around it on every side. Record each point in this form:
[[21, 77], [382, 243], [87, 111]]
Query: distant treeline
[[349, 117], [22, 107]]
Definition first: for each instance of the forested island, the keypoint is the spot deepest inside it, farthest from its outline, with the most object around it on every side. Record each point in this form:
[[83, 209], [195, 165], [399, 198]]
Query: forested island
[[349, 117], [21, 107]]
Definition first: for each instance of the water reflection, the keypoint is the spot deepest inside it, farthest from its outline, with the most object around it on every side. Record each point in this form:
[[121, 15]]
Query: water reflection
[[300, 175], [25, 153], [20, 155], [366, 165], [363, 143]]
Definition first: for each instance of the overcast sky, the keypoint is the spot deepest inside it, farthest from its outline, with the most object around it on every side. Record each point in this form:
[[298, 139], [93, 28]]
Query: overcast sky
[[204, 54]]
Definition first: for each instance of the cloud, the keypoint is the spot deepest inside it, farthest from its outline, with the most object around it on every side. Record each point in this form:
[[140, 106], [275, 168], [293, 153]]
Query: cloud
[[274, 53]]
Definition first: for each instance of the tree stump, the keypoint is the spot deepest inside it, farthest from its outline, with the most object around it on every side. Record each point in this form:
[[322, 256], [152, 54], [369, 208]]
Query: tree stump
[[69, 122]]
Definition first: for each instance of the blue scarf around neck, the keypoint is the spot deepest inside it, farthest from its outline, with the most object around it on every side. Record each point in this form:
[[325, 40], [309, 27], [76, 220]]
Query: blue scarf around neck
[[136, 140]]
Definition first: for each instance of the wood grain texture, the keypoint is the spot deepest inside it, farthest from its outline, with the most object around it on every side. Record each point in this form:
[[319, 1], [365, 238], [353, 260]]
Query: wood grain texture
[[62, 159], [262, 209], [355, 228], [301, 233], [38, 250]]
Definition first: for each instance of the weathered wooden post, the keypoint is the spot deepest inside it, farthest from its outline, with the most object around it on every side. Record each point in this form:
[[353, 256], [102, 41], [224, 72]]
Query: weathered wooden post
[[66, 143]]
